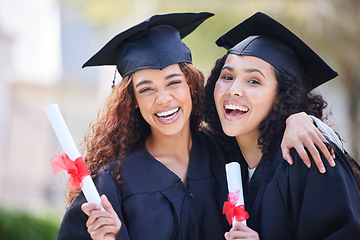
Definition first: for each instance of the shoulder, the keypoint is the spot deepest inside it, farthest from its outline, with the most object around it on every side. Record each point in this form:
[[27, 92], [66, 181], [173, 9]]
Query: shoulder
[[299, 184], [135, 156], [342, 162], [73, 224], [208, 146], [219, 141], [340, 177]]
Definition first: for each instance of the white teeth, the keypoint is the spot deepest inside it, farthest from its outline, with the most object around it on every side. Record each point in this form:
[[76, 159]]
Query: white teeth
[[235, 107], [162, 114]]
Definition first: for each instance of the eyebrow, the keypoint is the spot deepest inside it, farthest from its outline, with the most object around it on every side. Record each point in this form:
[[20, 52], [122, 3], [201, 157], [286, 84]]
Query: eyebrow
[[142, 82], [173, 75], [166, 78], [228, 68], [248, 70]]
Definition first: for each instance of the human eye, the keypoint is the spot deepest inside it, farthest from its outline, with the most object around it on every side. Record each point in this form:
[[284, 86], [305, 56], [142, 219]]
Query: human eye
[[145, 90], [174, 82], [226, 77], [253, 81]]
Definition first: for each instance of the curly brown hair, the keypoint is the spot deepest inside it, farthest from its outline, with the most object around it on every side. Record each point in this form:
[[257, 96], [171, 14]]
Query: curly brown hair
[[119, 124]]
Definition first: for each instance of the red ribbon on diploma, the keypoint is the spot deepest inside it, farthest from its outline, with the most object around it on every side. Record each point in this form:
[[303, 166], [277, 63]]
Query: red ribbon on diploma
[[232, 211], [77, 169]]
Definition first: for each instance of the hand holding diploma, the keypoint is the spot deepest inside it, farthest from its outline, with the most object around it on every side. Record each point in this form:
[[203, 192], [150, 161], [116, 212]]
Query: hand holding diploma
[[71, 160], [104, 225], [234, 208], [240, 231]]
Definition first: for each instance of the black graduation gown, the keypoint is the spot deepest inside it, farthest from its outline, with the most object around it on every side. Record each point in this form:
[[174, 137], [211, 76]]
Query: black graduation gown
[[153, 203], [294, 202]]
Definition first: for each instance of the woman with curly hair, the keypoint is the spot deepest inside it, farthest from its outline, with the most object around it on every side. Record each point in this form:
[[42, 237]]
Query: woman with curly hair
[[267, 75], [148, 159]]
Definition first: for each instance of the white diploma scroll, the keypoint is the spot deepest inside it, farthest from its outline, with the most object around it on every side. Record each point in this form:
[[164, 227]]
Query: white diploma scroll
[[67, 142], [233, 176]]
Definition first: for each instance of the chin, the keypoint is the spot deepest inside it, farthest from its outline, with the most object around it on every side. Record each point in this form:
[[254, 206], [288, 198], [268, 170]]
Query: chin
[[229, 132]]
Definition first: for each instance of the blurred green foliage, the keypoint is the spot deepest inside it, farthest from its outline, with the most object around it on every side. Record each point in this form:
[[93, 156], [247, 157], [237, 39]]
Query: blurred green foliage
[[17, 225]]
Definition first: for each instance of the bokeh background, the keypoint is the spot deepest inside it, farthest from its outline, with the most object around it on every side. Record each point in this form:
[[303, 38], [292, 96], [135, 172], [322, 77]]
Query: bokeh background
[[43, 44]]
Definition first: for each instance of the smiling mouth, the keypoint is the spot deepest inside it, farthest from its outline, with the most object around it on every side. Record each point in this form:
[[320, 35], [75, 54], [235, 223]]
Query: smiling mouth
[[232, 110], [168, 114]]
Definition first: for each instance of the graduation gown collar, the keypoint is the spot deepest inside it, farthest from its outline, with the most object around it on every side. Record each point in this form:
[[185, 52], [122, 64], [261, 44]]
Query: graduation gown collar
[[264, 173], [141, 172], [265, 169]]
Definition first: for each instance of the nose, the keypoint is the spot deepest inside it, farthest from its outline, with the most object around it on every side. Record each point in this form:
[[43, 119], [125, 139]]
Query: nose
[[235, 89], [163, 97]]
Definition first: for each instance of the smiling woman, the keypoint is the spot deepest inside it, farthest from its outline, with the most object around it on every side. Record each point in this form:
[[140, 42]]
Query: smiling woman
[[267, 75], [145, 151]]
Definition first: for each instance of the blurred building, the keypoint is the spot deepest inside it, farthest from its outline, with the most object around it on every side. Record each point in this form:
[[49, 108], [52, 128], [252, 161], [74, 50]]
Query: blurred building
[[38, 67]]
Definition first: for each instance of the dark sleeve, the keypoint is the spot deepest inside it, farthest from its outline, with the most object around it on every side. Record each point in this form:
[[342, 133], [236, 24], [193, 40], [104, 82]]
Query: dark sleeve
[[321, 206], [73, 225]]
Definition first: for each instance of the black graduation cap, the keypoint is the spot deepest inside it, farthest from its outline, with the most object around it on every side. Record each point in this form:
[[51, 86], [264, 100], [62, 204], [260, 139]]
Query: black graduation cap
[[153, 44], [263, 37]]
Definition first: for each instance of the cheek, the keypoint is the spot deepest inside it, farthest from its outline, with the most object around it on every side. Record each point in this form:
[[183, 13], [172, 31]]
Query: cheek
[[138, 101], [183, 92], [183, 95], [144, 106], [188, 99], [270, 97], [265, 102]]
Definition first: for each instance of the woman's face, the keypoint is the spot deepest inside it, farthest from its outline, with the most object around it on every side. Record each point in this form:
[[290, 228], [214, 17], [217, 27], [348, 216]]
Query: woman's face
[[164, 100], [244, 94]]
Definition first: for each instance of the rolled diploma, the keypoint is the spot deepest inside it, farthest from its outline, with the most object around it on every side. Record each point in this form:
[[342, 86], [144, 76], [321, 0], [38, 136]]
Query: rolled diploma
[[233, 176], [67, 142]]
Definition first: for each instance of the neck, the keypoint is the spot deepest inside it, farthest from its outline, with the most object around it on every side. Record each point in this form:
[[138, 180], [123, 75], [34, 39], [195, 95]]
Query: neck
[[173, 151], [250, 149], [158, 144]]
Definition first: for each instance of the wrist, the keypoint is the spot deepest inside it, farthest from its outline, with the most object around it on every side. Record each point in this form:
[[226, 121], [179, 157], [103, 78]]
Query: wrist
[[298, 115]]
